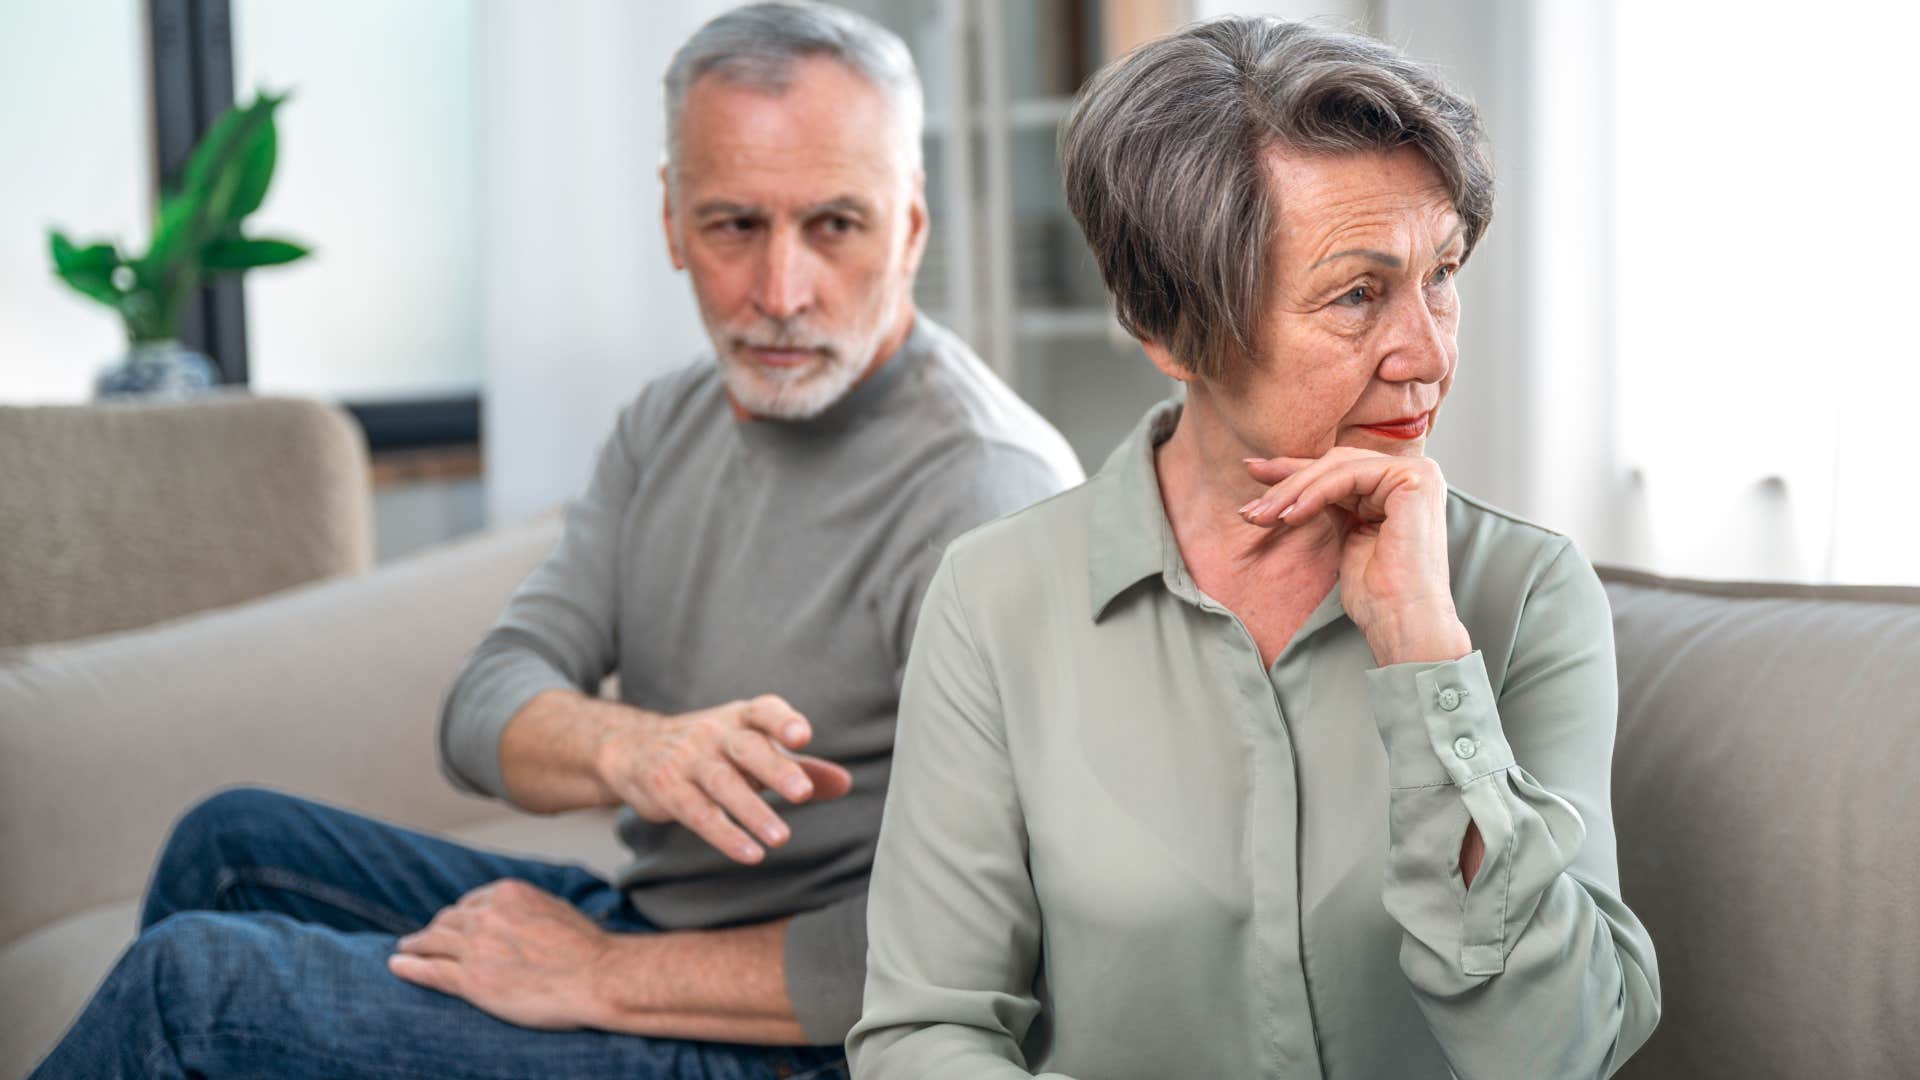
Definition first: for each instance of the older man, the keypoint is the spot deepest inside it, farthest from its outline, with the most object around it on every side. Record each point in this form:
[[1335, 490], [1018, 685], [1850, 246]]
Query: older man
[[749, 558]]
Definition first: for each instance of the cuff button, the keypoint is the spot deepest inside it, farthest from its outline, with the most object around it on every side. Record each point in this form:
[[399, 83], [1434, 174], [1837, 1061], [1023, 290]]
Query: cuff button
[[1449, 699], [1464, 748]]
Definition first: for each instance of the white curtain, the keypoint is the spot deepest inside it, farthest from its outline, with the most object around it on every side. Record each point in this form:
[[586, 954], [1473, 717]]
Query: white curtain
[[1689, 339]]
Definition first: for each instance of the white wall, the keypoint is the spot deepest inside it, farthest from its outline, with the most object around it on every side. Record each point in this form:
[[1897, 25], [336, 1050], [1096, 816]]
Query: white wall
[[73, 119], [376, 171], [581, 304]]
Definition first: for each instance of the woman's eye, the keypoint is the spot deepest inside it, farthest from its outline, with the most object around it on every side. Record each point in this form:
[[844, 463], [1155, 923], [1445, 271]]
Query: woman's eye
[[1356, 296]]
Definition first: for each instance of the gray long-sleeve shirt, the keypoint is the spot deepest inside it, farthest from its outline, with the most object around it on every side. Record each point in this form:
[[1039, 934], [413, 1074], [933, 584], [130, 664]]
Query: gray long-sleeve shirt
[[712, 560], [1121, 845]]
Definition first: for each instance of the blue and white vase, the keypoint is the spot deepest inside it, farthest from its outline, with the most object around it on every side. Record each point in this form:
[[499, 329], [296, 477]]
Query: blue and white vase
[[156, 370]]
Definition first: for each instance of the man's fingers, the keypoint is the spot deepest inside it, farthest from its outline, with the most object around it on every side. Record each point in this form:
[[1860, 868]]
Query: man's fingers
[[830, 781], [692, 808], [432, 972], [435, 940], [771, 714], [724, 785], [763, 761]]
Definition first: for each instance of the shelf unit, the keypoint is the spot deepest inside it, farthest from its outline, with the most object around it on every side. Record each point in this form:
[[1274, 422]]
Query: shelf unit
[[1006, 267]]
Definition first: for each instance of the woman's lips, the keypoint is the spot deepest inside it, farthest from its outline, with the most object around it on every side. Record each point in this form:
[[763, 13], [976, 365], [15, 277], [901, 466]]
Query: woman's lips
[[1404, 428]]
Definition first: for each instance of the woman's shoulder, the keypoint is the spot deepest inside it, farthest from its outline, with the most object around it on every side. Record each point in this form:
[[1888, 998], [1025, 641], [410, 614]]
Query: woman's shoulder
[[1502, 563], [1475, 525], [1039, 550]]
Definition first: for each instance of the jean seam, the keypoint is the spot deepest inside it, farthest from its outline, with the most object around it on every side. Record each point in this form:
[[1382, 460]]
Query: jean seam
[[821, 1070], [332, 895]]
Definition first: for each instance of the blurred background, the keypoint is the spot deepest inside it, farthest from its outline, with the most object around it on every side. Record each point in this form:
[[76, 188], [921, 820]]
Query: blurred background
[[1687, 339]]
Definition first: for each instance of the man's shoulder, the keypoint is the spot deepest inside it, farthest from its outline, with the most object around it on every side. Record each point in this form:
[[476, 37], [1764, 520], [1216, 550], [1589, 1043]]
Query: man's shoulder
[[688, 395], [958, 402]]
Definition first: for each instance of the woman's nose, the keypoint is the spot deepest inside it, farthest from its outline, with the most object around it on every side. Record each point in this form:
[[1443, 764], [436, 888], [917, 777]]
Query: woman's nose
[[1419, 346]]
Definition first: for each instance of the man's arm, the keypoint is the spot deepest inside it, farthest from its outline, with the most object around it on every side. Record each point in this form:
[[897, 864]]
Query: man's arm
[[532, 959]]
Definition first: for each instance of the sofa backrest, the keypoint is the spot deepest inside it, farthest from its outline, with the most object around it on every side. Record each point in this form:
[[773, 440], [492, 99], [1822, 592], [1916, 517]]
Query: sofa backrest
[[1767, 799], [119, 515]]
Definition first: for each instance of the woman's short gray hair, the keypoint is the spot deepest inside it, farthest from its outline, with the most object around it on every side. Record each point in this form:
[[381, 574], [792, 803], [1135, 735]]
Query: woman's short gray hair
[[1162, 162], [757, 45]]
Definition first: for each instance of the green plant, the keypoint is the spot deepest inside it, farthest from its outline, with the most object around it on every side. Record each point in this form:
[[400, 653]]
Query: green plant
[[196, 233]]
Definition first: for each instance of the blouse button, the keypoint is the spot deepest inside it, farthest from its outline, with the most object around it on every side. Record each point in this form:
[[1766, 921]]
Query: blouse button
[[1449, 699], [1464, 748]]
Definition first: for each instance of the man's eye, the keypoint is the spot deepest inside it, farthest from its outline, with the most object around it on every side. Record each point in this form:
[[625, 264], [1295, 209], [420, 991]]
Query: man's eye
[[1444, 275], [836, 225], [739, 226]]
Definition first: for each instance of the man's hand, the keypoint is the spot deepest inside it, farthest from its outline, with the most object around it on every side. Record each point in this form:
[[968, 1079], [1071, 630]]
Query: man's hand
[[514, 952], [705, 770]]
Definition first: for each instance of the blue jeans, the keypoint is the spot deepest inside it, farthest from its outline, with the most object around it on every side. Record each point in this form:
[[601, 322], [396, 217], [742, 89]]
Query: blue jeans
[[263, 953]]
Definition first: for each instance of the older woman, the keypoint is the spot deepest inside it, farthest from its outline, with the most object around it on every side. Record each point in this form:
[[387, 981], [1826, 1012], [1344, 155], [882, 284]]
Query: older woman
[[1263, 753]]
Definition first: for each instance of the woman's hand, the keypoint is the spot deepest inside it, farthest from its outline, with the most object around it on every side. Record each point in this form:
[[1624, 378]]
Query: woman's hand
[[1394, 580]]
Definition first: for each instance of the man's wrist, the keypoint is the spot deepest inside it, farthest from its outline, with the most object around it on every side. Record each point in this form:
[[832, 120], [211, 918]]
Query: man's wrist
[[615, 996]]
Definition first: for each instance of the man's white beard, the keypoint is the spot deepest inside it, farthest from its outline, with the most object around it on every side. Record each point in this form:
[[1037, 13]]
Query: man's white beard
[[796, 393], [791, 393]]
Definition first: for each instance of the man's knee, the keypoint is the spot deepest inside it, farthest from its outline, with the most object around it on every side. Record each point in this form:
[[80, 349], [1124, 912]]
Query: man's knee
[[210, 829], [186, 954]]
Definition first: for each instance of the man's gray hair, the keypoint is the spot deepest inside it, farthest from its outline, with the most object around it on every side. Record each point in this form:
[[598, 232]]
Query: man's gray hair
[[1162, 158], [757, 45]]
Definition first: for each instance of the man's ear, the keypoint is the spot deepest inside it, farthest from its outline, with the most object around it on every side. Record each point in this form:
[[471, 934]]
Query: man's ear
[[1162, 359], [666, 221], [917, 222]]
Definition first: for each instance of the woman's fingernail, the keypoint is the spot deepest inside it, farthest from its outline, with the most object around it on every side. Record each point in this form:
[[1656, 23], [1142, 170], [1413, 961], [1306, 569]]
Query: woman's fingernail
[[798, 789], [1288, 510], [796, 731], [1251, 460], [775, 833], [1243, 510]]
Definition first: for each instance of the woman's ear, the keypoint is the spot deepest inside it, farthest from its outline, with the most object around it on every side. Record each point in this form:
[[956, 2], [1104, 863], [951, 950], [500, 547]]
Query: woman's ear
[[1162, 359]]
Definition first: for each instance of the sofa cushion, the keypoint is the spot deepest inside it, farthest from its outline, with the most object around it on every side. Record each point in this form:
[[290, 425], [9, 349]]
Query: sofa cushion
[[1767, 797], [47, 976], [331, 690]]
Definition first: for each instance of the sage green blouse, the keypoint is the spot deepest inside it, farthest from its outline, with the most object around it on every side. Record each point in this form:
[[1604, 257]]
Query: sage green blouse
[[1116, 846]]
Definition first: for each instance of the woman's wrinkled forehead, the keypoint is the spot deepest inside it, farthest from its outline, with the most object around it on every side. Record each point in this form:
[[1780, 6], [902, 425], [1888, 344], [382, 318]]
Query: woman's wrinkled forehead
[[1386, 203]]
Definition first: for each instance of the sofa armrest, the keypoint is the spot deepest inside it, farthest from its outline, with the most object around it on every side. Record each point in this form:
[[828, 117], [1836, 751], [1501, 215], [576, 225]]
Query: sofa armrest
[[330, 690]]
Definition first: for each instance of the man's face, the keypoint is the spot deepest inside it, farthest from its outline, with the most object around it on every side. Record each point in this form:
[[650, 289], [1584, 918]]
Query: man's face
[[801, 222]]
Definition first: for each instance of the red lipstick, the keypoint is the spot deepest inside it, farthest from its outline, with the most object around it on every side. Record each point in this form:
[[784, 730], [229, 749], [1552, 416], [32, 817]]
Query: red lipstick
[[1409, 427]]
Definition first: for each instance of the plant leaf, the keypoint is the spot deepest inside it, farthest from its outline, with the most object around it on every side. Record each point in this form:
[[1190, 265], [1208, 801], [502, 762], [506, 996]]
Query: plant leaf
[[233, 253], [93, 283], [256, 173], [219, 143]]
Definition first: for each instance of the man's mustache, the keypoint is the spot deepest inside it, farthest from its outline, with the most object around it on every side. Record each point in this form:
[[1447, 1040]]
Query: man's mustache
[[783, 338]]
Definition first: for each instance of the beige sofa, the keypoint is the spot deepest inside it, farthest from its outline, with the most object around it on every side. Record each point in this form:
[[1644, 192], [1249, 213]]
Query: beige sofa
[[115, 516], [1766, 788], [329, 690]]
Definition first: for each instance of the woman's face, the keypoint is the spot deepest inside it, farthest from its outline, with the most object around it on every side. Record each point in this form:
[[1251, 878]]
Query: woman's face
[[1357, 343]]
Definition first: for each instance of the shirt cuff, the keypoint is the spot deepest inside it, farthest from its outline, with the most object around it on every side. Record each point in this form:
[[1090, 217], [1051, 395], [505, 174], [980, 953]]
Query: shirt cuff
[[826, 961], [487, 696], [1439, 722]]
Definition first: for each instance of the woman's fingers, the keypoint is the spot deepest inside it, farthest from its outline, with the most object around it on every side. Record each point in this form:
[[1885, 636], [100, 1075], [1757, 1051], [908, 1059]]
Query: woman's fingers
[[1345, 477]]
